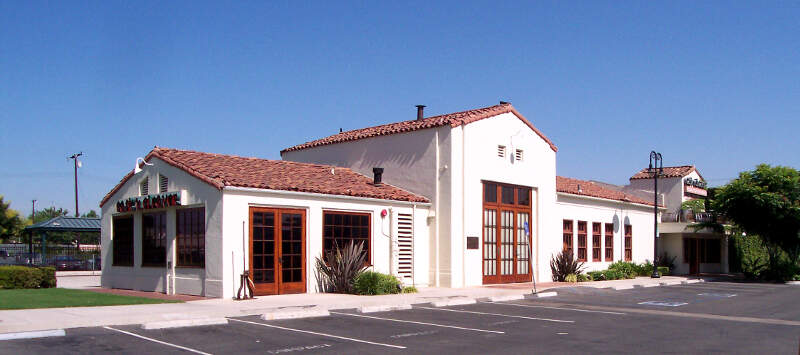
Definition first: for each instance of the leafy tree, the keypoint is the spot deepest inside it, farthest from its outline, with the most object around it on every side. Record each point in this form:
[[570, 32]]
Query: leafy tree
[[91, 214], [10, 222], [48, 214], [765, 202]]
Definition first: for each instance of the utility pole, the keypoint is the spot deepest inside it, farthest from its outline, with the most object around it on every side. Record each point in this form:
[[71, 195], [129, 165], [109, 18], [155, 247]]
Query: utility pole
[[30, 234], [75, 161]]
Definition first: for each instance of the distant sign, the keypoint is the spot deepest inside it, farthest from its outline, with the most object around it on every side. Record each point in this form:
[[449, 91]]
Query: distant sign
[[139, 203]]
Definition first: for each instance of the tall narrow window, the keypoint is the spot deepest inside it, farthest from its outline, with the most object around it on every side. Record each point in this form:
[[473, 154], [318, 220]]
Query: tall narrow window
[[122, 244], [190, 233], [163, 184], [154, 239], [596, 237], [567, 236], [144, 189], [628, 242], [581, 240], [341, 228], [609, 241]]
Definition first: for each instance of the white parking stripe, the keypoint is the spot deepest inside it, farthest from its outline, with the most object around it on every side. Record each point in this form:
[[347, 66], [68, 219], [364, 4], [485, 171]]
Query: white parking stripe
[[422, 323], [561, 308], [498, 314], [320, 334], [158, 341]]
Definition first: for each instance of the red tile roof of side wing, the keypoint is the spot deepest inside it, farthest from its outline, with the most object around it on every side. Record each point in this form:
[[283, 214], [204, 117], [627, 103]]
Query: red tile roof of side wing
[[453, 119], [669, 172], [590, 189], [221, 170]]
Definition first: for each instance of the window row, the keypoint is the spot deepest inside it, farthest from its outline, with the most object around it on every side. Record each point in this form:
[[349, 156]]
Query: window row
[[602, 249], [509, 194], [190, 235]]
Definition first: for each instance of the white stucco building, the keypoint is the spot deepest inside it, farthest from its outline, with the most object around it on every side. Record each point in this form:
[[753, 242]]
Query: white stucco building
[[191, 222]]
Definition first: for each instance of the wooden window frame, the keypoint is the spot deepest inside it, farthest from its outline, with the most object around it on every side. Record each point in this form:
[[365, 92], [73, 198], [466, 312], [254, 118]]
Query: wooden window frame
[[628, 243], [568, 236], [189, 240], [150, 257], [582, 241], [116, 245], [597, 241], [369, 241], [609, 242], [519, 193]]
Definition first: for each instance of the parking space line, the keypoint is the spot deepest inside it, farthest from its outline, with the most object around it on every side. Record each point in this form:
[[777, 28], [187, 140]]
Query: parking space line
[[320, 334], [158, 341], [422, 323], [497, 314], [560, 308]]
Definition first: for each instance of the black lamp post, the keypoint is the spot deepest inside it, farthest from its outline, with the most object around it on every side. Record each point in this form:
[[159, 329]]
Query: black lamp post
[[656, 168]]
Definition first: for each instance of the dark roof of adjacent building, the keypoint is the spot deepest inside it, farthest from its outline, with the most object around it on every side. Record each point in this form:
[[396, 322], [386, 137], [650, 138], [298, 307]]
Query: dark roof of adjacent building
[[67, 224], [591, 189], [220, 170], [669, 172], [452, 119]]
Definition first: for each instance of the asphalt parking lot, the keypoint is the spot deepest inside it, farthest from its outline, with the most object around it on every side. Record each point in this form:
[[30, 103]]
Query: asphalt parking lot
[[711, 317]]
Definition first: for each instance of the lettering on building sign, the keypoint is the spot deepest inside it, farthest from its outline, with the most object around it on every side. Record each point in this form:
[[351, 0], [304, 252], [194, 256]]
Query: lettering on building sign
[[139, 203], [695, 187]]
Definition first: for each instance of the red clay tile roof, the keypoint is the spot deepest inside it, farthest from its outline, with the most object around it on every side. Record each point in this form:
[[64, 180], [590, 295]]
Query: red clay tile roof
[[220, 170], [669, 172], [453, 119], [588, 188]]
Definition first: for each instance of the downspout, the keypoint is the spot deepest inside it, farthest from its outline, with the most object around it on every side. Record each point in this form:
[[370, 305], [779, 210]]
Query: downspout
[[463, 205], [436, 214]]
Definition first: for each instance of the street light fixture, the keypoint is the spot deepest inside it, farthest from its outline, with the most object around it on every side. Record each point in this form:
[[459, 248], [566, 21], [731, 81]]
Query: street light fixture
[[656, 168]]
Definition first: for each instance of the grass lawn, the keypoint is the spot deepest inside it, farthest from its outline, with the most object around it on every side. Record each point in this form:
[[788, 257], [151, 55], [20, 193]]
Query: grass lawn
[[63, 297]]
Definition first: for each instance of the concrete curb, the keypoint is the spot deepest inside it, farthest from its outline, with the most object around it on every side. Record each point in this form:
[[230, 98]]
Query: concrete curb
[[689, 282], [621, 287], [454, 302], [646, 285], [384, 308], [670, 283], [506, 298], [32, 335], [181, 323], [544, 294], [795, 283], [296, 313]]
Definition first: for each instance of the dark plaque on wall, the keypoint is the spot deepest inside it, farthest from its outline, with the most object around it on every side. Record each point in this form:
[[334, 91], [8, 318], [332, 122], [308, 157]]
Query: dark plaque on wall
[[472, 242]]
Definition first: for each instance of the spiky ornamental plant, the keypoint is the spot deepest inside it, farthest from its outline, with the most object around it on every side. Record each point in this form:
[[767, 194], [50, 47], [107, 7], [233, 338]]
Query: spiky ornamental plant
[[563, 264], [336, 269]]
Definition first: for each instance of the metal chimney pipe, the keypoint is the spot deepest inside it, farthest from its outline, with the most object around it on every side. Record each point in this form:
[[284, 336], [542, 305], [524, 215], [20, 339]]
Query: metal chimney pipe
[[377, 176], [420, 109]]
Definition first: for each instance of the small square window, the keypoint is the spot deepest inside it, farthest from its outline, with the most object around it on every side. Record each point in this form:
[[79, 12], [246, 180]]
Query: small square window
[[501, 151]]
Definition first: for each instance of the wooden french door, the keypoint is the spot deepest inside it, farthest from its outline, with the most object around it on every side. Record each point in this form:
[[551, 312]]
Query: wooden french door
[[277, 250], [507, 231]]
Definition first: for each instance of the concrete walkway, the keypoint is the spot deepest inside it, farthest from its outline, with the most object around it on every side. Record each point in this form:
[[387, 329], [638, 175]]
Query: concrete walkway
[[60, 318]]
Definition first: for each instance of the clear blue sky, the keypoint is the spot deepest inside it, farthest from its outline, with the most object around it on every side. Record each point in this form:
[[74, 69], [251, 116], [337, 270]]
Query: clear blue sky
[[715, 84]]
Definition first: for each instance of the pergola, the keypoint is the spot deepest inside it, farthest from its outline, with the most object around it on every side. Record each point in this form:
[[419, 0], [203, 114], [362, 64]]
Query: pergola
[[61, 224]]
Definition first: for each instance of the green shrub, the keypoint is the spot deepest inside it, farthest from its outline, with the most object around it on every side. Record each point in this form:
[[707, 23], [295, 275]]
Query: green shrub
[[627, 270], [796, 277], [410, 289], [612, 274], [375, 283], [27, 277], [645, 269], [663, 270], [596, 275], [583, 278], [571, 278], [563, 264]]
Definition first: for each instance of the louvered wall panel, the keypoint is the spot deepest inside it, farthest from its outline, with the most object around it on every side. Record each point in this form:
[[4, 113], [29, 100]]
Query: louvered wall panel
[[405, 246]]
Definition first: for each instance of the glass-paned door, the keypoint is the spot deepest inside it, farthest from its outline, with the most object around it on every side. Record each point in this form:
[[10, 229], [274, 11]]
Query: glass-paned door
[[277, 249], [506, 233]]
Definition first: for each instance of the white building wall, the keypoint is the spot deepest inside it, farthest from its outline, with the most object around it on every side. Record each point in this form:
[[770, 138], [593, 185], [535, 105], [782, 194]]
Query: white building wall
[[236, 221], [195, 281], [537, 169], [577, 208]]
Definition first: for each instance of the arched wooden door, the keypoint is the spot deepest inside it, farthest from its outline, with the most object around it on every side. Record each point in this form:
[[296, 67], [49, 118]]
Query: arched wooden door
[[277, 250]]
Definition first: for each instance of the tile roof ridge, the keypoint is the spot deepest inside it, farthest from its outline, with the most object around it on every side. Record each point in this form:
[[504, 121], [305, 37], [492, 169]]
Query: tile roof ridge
[[281, 161]]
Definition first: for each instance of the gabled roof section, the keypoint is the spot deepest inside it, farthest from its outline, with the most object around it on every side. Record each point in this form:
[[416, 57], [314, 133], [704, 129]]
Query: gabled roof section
[[591, 189], [669, 172], [221, 171], [67, 224], [452, 119]]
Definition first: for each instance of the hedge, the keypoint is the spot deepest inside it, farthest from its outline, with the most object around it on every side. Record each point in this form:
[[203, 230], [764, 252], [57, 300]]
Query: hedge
[[12, 277], [375, 283]]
